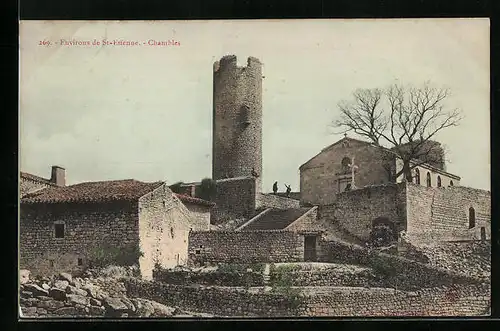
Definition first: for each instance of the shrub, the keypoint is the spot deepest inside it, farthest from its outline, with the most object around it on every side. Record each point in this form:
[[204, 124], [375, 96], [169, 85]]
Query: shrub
[[107, 254], [176, 188], [207, 189]]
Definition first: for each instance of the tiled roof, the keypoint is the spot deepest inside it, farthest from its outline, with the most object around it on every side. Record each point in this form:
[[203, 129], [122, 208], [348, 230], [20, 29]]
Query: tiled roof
[[37, 178], [105, 191], [196, 201], [276, 219]]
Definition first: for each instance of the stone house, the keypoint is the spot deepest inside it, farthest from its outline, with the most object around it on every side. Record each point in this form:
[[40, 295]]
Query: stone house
[[329, 172], [200, 211], [29, 183], [62, 228]]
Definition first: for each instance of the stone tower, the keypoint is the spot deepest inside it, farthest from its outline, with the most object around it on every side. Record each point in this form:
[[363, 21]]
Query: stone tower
[[237, 119]]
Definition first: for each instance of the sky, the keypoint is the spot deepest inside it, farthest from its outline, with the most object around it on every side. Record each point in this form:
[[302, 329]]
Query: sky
[[108, 112]]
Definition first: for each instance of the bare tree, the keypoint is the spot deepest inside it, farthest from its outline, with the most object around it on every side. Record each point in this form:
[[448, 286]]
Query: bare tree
[[404, 119]]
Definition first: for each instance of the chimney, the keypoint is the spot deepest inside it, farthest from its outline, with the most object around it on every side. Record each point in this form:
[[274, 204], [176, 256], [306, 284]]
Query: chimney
[[58, 176]]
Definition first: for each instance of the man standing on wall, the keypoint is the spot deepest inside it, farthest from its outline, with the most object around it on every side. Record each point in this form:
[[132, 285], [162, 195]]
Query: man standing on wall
[[275, 187]]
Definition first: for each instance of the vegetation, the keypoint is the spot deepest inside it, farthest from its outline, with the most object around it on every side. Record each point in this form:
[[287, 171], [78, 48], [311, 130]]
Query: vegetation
[[281, 281], [176, 188], [108, 254], [405, 119]]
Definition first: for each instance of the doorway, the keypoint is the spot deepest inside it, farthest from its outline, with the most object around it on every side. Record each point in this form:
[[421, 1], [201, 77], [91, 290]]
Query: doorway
[[310, 248]]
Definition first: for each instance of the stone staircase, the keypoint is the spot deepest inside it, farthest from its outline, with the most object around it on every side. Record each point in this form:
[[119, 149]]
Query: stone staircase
[[276, 219]]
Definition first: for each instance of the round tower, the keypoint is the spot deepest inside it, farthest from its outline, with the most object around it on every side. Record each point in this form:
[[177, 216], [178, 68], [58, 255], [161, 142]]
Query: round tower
[[237, 119]]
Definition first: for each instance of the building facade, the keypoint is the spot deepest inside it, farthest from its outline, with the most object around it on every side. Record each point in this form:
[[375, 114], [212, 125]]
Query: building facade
[[65, 228], [351, 163]]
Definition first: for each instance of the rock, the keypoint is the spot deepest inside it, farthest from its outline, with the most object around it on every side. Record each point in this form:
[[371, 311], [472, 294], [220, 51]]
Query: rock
[[51, 305], [161, 310], [143, 307], [45, 286], [61, 284], [91, 290], [65, 276], [129, 304], [73, 290], [114, 306], [57, 294], [78, 299], [26, 294], [95, 302], [28, 311], [97, 310], [36, 290], [41, 311], [44, 298], [66, 311], [24, 276]]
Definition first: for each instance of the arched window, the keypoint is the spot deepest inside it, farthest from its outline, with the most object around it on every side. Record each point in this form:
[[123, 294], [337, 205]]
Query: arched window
[[439, 181], [417, 176], [472, 218], [451, 183], [429, 183], [345, 164]]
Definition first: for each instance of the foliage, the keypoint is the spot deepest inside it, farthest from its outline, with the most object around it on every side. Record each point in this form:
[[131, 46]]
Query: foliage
[[281, 281], [405, 118], [176, 188], [207, 189], [108, 254], [381, 235]]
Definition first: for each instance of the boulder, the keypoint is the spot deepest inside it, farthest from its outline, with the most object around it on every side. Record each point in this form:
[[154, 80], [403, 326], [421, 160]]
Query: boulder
[[61, 284], [28, 311], [57, 293], [51, 305], [24, 276], [65, 276], [91, 290], [143, 307], [95, 302], [36, 290], [41, 311], [44, 298], [73, 290], [114, 306], [97, 310], [129, 304], [66, 311], [77, 299], [45, 286], [26, 294], [161, 310]]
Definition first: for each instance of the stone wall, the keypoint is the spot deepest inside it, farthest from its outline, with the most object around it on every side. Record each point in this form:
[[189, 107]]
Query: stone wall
[[397, 271], [464, 300], [164, 224], [268, 200], [307, 222], [237, 118], [235, 198], [200, 216], [86, 226], [245, 247], [355, 210], [443, 213]]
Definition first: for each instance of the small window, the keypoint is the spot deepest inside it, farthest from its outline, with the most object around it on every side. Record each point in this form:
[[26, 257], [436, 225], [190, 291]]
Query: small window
[[472, 218], [439, 181], [451, 183], [51, 263], [417, 176], [346, 162], [197, 251], [429, 182], [80, 261], [483, 233], [172, 232], [59, 230]]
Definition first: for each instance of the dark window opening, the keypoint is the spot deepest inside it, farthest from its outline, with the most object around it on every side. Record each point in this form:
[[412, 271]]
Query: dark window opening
[[429, 182], [439, 181], [51, 263], [59, 230], [348, 187], [80, 261], [451, 183], [172, 232], [197, 251], [346, 162], [472, 218], [417, 176], [483, 233]]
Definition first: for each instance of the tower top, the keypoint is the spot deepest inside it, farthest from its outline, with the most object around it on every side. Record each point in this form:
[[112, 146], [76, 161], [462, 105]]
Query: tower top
[[231, 61]]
